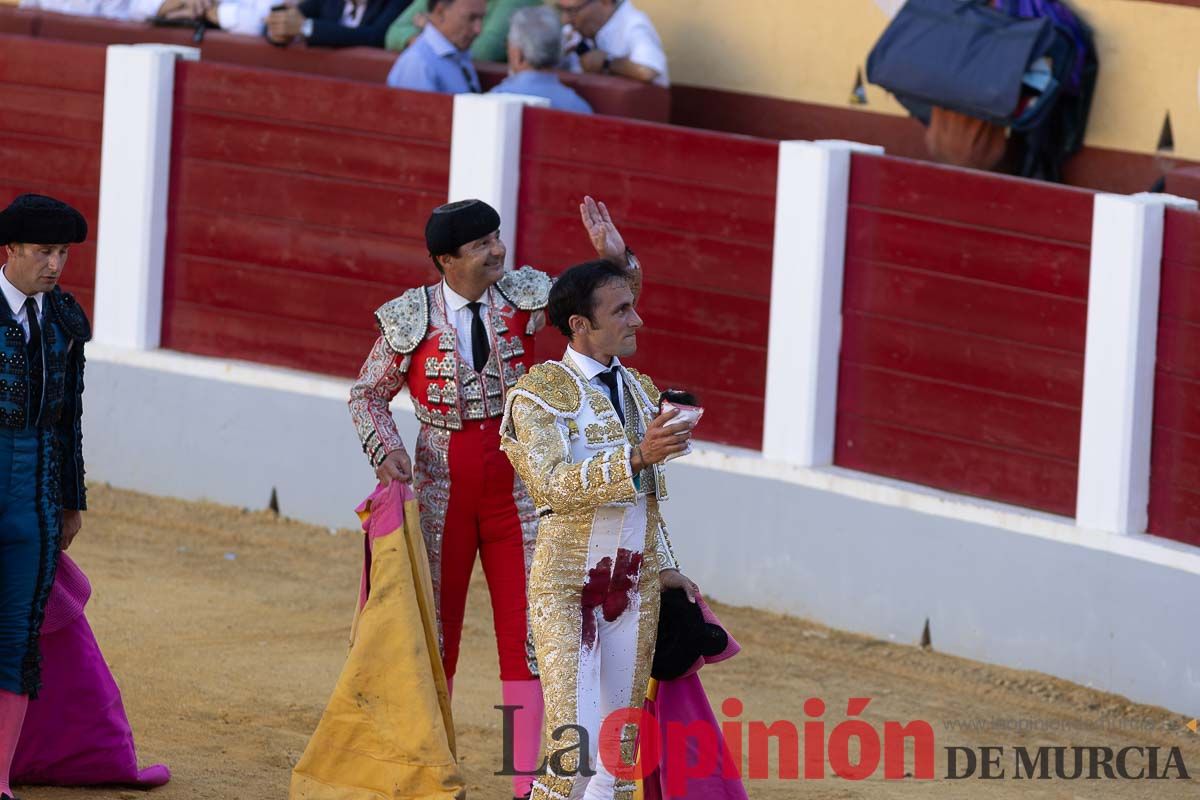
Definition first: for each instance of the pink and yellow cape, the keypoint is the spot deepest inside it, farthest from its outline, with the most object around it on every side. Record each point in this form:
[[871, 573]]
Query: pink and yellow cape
[[387, 732]]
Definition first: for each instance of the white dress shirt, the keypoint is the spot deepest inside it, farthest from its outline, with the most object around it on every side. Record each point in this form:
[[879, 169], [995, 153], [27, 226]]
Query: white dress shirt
[[107, 9], [247, 17], [16, 302], [458, 315], [592, 368], [629, 33]]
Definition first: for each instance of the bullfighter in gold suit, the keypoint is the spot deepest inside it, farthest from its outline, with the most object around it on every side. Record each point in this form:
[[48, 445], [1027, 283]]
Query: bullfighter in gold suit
[[585, 435]]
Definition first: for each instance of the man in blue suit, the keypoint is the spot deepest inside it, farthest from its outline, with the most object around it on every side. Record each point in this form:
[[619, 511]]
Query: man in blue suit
[[334, 23], [42, 494]]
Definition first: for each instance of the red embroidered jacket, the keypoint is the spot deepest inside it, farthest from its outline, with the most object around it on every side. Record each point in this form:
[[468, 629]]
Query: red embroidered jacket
[[418, 347]]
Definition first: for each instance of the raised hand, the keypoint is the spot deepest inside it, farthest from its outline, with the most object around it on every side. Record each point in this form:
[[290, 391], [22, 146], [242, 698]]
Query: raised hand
[[602, 231]]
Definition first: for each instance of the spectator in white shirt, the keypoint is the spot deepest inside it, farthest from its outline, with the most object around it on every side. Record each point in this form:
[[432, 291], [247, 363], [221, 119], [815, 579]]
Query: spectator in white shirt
[[236, 16], [108, 9], [614, 37]]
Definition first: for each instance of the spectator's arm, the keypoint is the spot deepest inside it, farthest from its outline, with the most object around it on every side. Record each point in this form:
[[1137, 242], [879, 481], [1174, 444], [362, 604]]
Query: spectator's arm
[[492, 44], [647, 59], [628, 68], [247, 17], [327, 33], [402, 30], [142, 10]]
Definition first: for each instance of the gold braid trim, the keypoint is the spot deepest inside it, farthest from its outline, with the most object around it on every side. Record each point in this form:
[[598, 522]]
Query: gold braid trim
[[647, 385]]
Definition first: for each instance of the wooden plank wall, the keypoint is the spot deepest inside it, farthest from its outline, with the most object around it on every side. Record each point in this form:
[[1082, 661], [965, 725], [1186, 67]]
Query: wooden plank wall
[[297, 207], [1175, 453], [51, 117], [965, 316], [699, 210]]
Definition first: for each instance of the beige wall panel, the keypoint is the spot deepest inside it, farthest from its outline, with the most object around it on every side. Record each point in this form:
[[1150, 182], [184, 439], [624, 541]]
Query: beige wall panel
[[809, 50]]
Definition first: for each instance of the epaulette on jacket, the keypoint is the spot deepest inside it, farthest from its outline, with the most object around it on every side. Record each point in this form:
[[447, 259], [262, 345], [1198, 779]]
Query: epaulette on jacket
[[553, 385], [405, 320], [69, 313], [526, 288]]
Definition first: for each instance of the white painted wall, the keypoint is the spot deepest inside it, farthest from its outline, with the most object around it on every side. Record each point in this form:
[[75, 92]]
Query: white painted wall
[[1118, 372], [135, 166], [807, 274], [485, 155], [878, 557]]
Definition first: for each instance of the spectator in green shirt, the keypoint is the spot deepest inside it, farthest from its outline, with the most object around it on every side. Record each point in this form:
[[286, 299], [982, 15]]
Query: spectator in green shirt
[[492, 44]]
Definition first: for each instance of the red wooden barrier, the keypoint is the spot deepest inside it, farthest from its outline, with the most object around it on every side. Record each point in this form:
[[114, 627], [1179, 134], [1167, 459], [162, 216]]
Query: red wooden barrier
[[1175, 453], [52, 96], [965, 314], [297, 207], [699, 209]]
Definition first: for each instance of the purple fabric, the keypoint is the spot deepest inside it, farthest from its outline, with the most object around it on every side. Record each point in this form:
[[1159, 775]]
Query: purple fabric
[[683, 702], [76, 732], [68, 595]]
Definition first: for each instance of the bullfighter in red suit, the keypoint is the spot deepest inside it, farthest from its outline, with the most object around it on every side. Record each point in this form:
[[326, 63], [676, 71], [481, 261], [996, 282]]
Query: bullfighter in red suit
[[460, 345]]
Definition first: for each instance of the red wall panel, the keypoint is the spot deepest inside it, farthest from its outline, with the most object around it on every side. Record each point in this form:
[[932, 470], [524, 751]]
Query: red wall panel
[[1175, 443], [964, 320], [699, 210], [292, 219], [52, 96]]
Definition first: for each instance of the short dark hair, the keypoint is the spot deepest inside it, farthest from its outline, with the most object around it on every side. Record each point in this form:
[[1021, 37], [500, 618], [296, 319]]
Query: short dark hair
[[574, 293], [435, 3]]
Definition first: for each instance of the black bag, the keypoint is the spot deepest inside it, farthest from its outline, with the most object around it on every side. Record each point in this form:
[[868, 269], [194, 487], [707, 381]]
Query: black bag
[[968, 57]]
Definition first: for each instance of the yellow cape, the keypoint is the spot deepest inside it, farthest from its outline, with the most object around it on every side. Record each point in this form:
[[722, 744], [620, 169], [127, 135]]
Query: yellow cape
[[387, 732]]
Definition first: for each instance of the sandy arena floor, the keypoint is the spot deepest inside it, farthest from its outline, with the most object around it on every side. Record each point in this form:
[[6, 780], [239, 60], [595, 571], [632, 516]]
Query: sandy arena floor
[[226, 630]]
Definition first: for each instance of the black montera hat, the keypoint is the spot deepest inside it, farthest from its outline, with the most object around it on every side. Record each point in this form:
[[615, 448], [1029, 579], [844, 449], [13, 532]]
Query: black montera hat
[[37, 219], [454, 224], [684, 637]]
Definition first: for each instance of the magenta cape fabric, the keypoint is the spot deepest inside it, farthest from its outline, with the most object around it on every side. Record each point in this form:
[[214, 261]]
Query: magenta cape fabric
[[684, 701], [76, 732]]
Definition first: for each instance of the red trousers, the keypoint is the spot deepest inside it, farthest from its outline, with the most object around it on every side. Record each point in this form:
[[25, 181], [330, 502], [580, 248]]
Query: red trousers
[[481, 516]]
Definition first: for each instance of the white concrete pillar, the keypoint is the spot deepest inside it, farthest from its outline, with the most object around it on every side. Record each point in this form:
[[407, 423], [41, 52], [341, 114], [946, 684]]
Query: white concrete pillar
[[812, 202], [1118, 371], [135, 161], [485, 154]]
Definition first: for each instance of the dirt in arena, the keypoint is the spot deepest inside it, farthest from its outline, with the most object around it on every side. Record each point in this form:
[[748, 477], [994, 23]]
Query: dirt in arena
[[226, 630]]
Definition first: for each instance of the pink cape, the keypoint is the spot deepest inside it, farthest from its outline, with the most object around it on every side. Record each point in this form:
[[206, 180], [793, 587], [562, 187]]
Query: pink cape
[[76, 732], [684, 702]]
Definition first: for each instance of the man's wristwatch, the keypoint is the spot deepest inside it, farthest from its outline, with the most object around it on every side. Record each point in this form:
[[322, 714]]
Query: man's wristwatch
[[631, 260], [306, 28]]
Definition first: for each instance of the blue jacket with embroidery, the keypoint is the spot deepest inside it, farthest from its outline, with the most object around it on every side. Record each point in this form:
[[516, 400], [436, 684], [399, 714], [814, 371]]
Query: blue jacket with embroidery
[[65, 328]]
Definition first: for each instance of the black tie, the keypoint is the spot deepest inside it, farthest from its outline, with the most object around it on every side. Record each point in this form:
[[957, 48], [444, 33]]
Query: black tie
[[472, 83], [480, 348], [33, 353], [609, 378]]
